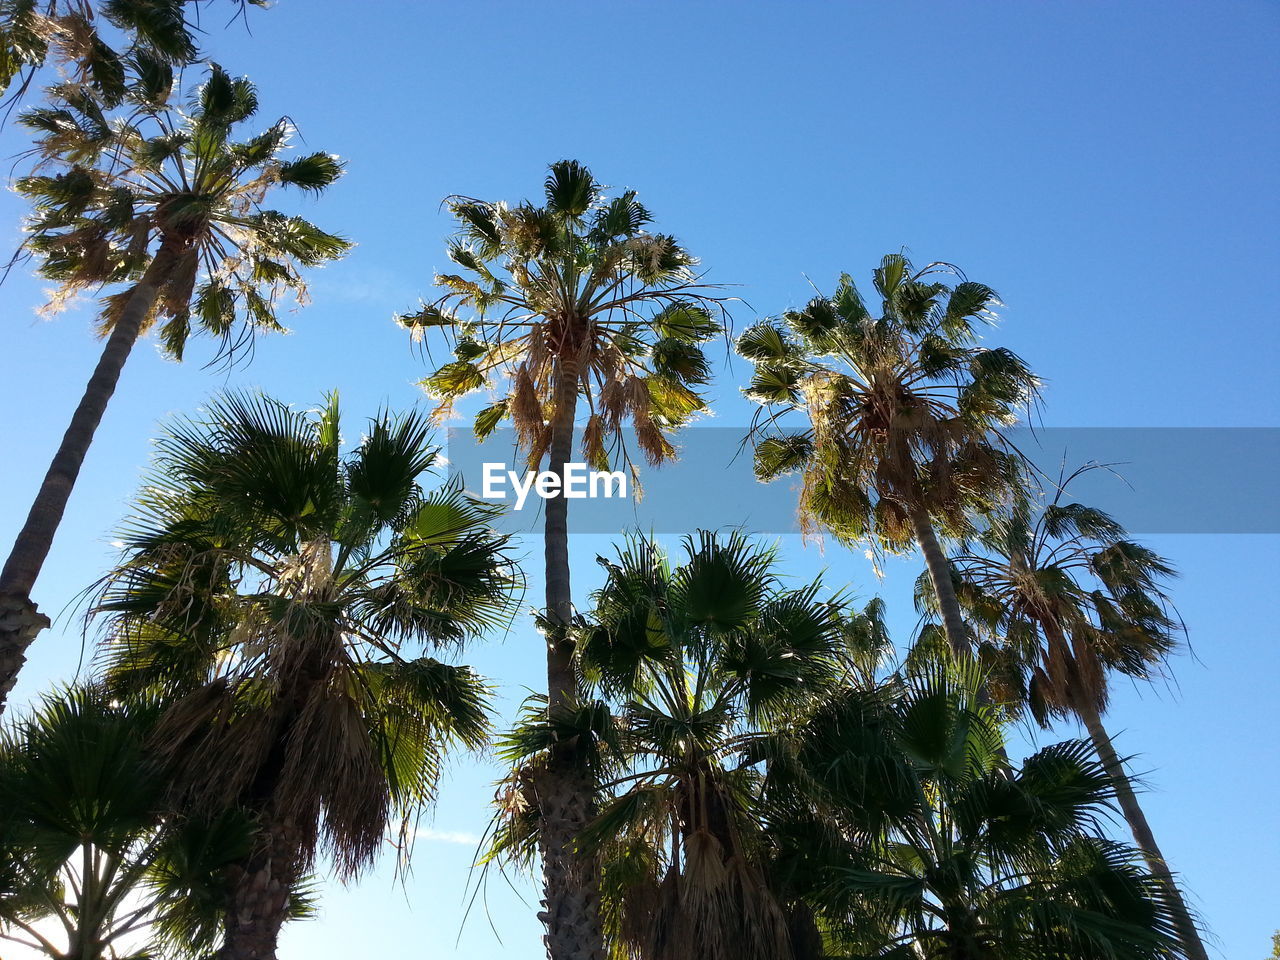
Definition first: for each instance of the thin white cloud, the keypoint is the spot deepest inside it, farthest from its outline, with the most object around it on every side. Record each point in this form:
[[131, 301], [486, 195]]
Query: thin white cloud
[[446, 836]]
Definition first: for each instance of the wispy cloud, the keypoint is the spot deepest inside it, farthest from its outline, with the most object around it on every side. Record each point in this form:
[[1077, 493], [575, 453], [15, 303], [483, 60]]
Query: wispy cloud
[[365, 283], [446, 836]]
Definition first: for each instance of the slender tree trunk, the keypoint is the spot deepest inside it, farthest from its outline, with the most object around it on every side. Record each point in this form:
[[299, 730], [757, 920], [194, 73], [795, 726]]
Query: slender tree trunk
[[935, 560], [571, 905], [260, 890], [562, 684], [1142, 835], [20, 621], [959, 637]]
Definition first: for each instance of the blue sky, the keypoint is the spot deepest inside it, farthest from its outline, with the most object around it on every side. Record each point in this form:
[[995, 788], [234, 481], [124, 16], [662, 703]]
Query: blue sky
[[1109, 168]]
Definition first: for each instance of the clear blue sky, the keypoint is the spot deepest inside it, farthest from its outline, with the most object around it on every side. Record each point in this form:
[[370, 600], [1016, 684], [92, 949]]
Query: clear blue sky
[[1109, 168]]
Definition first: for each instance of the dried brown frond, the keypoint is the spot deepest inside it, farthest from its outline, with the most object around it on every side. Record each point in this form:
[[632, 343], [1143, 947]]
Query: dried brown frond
[[330, 764], [539, 446], [613, 403], [717, 906], [593, 448], [636, 398], [175, 294], [537, 356], [527, 413], [113, 306], [653, 443]]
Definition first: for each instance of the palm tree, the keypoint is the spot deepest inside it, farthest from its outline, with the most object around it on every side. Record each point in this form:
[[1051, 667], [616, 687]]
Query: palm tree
[[281, 591], [895, 816], [89, 862], [1069, 599], [166, 205], [700, 664], [695, 665], [903, 412], [574, 301]]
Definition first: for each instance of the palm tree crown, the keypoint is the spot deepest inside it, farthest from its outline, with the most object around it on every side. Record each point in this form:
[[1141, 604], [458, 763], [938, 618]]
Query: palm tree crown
[[1069, 599], [1065, 599], [574, 292], [896, 816], [284, 592], [170, 190], [695, 665], [169, 204], [903, 410], [72, 32], [29, 32]]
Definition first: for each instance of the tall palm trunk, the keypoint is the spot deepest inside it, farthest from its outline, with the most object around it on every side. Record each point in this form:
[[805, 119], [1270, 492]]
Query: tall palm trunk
[[20, 621], [263, 882], [571, 905], [940, 576], [91, 914], [1142, 835], [562, 684], [260, 889], [953, 623], [1086, 708]]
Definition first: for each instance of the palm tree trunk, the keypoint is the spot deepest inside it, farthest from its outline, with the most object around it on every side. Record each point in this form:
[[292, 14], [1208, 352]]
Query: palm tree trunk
[[20, 621], [262, 884], [562, 684], [260, 890], [1142, 835], [944, 589], [935, 560], [804, 934], [571, 904]]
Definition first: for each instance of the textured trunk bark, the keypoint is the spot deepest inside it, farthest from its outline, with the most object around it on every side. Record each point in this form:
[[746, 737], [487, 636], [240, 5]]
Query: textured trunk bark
[[561, 682], [571, 901], [262, 882], [935, 560], [260, 888], [571, 904], [1142, 835], [20, 622]]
